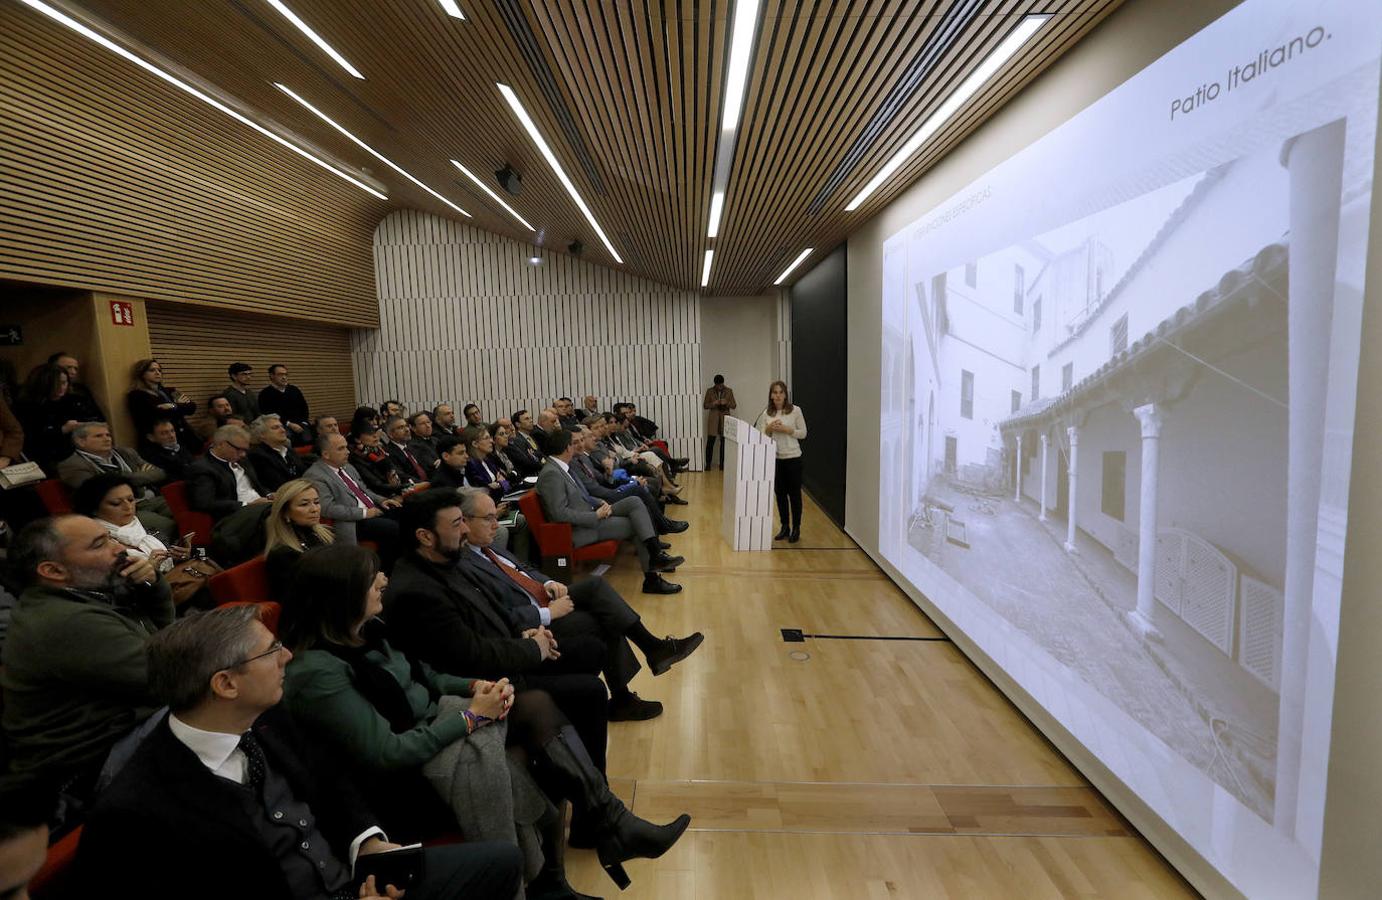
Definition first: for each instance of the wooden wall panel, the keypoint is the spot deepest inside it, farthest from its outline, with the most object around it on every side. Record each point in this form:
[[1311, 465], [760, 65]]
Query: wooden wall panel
[[464, 317], [195, 345], [115, 181]]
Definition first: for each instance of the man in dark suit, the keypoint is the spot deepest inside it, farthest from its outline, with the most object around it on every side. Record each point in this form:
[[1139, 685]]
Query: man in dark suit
[[287, 402], [218, 484], [591, 520], [438, 616], [527, 456], [272, 458], [377, 472], [588, 607], [397, 434], [443, 419], [161, 448], [231, 801], [423, 440], [598, 484]]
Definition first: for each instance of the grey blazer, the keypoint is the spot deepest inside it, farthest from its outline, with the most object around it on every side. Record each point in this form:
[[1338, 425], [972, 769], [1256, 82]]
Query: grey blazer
[[338, 502], [77, 468], [563, 502]]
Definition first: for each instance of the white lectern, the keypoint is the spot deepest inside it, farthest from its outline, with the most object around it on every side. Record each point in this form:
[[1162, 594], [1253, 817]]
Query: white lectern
[[750, 462]]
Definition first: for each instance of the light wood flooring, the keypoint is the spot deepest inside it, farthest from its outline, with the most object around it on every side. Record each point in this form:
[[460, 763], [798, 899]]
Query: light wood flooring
[[843, 768]]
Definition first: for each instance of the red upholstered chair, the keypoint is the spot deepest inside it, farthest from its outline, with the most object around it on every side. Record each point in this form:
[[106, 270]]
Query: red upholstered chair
[[56, 498], [56, 880], [554, 538], [247, 581], [269, 612], [188, 519]]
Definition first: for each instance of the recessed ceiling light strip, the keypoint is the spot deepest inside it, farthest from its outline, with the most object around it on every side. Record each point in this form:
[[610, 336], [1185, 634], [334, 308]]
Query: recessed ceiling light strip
[[517, 106], [492, 195], [736, 80], [452, 9], [986, 70], [801, 257], [366, 147], [314, 37], [705, 269], [66, 20]]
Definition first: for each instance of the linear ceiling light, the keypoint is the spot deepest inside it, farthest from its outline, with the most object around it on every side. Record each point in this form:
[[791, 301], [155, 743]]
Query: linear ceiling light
[[991, 64], [367, 148], [801, 257], [492, 195], [314, 37], [178, 83], [452, 9], [705, 270], [736, 80], [517, 106]]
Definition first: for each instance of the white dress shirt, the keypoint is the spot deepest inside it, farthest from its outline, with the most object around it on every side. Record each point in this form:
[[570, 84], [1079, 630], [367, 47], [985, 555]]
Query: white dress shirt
[[244, 491], [221, 753]]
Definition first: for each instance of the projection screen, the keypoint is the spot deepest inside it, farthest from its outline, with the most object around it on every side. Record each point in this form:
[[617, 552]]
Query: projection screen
[[1119, 379]]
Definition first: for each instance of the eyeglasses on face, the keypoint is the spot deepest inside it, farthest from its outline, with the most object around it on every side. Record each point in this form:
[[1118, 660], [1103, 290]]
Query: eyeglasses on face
[[492, 517], [276, 646]]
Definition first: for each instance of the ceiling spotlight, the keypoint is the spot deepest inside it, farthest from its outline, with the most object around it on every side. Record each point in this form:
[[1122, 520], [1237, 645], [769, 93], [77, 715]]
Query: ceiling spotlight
[[510, 180], [534, 260], [492, 195], [575, 248]]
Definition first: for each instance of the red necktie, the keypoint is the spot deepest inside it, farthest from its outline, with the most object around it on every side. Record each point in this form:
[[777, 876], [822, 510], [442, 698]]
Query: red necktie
[[355, 489], [417, 469], [535, 590]]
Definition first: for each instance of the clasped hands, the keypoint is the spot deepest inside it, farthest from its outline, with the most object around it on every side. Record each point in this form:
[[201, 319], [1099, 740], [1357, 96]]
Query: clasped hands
[[545, 640], [491, 699]]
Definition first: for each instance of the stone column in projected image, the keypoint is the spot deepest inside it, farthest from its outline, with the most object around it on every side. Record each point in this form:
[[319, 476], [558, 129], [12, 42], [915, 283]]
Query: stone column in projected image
[[1152, 416], [1074, 481], [1315, 163], [1017, 495], [1045, 446]]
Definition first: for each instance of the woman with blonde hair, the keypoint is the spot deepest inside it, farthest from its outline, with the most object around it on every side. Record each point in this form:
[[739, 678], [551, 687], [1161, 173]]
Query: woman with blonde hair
[[785, 424], [293, 527]]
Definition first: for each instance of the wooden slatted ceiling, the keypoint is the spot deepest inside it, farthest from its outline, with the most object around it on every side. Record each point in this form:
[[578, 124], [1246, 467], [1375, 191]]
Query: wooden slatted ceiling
[[195, 344], [642, 80]]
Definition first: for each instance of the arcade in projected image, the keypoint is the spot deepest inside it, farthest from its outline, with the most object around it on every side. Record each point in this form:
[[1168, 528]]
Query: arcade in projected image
[[1119, 378]]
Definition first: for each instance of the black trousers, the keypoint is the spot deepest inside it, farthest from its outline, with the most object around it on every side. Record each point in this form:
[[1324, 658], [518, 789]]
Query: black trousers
[[710, 450], [482, 869], [604, 616], [787, 487]]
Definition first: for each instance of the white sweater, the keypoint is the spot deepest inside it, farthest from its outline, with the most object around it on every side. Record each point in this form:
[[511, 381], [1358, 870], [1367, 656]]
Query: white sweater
[[788, 445]]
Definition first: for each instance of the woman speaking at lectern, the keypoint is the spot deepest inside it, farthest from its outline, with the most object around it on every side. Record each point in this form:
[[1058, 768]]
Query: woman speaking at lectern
[[785, 424]]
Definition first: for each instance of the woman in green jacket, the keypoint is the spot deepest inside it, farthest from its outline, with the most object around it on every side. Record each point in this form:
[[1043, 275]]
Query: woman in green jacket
[[349, 685]]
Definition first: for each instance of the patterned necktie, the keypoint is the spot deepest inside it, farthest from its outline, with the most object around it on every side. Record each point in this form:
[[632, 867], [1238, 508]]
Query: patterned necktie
[[254, 760], [529, 585]]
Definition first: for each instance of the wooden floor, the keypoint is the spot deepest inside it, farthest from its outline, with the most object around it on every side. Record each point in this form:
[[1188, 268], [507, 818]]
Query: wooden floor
[[843, 768]]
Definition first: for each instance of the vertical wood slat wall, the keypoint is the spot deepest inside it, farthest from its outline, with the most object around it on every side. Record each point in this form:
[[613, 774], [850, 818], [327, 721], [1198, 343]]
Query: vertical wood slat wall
[[195, 344], [464, 317]]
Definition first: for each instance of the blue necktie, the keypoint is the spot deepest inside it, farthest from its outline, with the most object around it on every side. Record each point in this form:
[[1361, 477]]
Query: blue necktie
[[594, 504]]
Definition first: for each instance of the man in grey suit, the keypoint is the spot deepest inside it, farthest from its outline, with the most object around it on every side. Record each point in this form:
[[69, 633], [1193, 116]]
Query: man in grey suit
[[359, 513], [564, 500], [96, 454]]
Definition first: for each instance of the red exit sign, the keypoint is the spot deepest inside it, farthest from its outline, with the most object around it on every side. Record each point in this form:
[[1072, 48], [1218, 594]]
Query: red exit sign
[[122, 313]]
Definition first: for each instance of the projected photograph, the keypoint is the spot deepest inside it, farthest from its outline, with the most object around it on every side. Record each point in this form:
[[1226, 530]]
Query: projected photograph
[[1119, 377], [1123, 375]]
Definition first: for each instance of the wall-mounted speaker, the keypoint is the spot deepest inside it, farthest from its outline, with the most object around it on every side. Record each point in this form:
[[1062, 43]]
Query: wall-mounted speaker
[[510, 180]]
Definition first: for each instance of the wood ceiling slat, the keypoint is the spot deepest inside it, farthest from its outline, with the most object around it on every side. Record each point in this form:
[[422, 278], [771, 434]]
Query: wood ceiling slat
[[642, 79]]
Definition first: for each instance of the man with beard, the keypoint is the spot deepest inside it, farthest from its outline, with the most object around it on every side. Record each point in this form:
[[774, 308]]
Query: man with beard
[[75, 677], [443, 419]]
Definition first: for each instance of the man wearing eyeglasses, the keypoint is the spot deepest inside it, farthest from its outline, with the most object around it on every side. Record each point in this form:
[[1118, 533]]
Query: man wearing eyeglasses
[[219, 483], [75, 678], [237, 806]]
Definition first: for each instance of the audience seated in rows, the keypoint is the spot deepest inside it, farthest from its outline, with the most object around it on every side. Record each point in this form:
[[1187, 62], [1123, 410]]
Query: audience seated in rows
[[218, 483], [396, 446], [525, 451], [602, 485], [359, 513], [160, 447], [209, 788]]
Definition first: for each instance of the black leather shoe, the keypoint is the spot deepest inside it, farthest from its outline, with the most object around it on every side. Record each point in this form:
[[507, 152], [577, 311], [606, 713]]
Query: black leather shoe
[[664, 545], [673, 651], [794, 536], [634, 708], [675, 501], [783, 534], [682, 462], [653, 583], [674, 526], [664, 563]]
